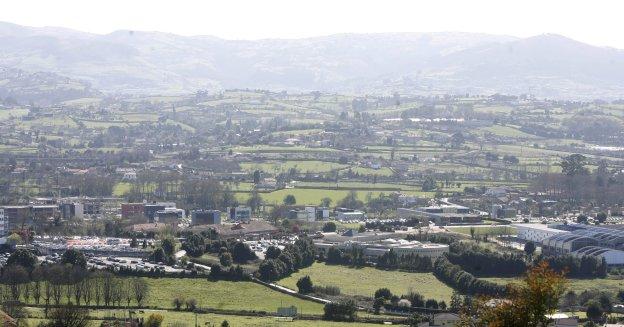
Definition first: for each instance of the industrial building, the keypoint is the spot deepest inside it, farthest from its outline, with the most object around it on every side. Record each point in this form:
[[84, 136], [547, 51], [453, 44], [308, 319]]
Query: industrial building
[[309, 213], [169, 215], [4, 224], [71, 210], [564, 243], [374, 249], [242, 214], [349, 214], [25, 215], [577, 239], [150, 209], [130, 210], [441, 215], [536, 232], [205, 217]]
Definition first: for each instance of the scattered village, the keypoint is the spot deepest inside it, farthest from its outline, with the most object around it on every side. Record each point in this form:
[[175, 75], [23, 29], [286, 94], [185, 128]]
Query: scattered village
[[272, 189]]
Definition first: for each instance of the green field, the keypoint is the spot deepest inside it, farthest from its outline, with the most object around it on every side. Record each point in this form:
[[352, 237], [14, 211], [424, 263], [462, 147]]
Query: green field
[[224, 295], [578, 285], [82, 102], [383, 171], [507, 131], [365, 281], [278, 149], [188, 319], [363, 186], [313, 196], [121, 188], [307, 196], [12, 113], [283, 166], [494, 109]]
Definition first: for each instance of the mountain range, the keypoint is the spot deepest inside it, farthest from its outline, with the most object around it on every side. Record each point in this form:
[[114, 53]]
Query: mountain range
[[124, 61]]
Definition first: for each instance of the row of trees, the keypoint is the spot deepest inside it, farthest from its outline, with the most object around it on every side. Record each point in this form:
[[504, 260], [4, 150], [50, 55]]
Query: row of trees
[[388, 261], [463, 281], [575, 184], [575, 267], [480, 261], [279, 264], [353, 257], [70, 284], [384, 297], [412, 262]]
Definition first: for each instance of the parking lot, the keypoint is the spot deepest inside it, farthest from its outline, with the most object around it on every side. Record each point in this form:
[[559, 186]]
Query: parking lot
[[103, 262]]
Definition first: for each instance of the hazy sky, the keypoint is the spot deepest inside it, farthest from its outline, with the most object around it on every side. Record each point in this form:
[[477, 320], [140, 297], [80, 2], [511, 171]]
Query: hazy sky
[[598, 22]]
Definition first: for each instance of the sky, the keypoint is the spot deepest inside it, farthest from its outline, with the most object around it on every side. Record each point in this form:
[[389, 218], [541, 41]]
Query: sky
[[597, 22]]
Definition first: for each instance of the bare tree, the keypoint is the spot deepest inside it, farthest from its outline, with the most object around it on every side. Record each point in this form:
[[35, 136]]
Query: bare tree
[[37, 276], [47, 295], [117, 291], [78, 275], [87, 289], [140, 290], [97, 288], [107, 288], [56, 279], [15, 276], [26, 292], [127, 291], [68, 316]]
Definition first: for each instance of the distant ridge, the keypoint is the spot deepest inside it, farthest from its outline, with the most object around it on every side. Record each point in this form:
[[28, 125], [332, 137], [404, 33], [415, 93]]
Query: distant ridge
[[40, 88], [546, 65]]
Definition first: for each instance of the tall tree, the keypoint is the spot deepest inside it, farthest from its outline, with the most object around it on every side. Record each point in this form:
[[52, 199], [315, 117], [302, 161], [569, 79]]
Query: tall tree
[[574, 165], [290, 200], [74, 258], [528, 304]]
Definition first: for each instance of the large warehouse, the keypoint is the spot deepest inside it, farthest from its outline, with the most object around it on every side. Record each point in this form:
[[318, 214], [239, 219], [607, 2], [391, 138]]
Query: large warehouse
[[565, 243], [536, 232], [577, 239], [612, 257]]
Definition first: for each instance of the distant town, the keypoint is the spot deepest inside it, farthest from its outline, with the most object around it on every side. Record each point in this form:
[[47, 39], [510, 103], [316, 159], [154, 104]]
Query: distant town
[[252, 207]]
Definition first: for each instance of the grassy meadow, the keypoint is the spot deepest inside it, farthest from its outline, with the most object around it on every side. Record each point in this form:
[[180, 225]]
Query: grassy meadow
[[365, 281]]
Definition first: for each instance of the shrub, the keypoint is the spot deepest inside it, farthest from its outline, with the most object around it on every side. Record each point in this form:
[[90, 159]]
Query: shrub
[[154, 320], [327, 290], [178, 301], [340, 311], [304, 284]]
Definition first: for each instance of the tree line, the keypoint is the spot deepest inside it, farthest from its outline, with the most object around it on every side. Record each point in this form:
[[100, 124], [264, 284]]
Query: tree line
[[63, 284], [411, 262], [577, 267], [483, 262], [463, 281], [281, 263], [390, 260]]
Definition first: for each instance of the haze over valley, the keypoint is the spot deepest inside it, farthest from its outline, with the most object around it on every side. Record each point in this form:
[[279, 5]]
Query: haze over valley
[[125, 61]]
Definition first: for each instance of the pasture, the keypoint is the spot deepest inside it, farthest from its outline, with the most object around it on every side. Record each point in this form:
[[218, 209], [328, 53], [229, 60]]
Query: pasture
[[365, 281], [283, 166], [181, 318], [224, 295]]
